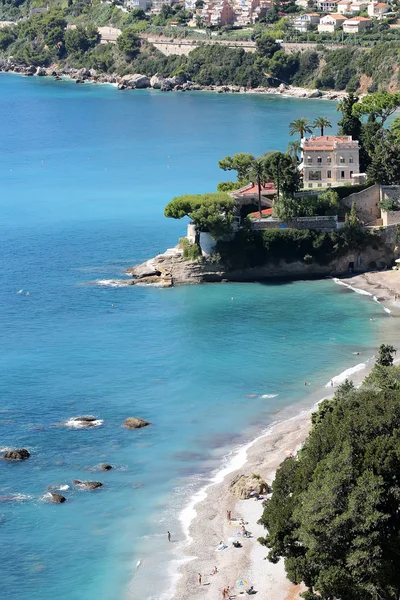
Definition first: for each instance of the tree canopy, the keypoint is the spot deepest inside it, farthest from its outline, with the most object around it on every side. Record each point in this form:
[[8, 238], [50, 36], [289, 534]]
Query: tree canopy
[[380, 105], [242, 163], [211, 212], [333, 514]]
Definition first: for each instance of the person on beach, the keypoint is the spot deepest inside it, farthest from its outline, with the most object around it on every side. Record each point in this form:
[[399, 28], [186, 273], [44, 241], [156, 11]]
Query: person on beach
[[169, 536], [228, 515], [214, 571], [199, 578], [331, 382]]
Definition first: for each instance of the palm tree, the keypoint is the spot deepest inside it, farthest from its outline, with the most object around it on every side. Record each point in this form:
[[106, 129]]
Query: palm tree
[[293, 150], [321, 123], [257, 174], [300, 126]]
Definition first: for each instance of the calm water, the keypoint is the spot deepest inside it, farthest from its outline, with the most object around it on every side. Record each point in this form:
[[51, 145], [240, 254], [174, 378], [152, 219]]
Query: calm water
[[84, 174]]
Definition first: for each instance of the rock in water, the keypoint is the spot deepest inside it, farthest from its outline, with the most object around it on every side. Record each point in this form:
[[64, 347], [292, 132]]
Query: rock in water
[[89, 485], [17, 454], [57, 498], [105, 467], [135, 423]]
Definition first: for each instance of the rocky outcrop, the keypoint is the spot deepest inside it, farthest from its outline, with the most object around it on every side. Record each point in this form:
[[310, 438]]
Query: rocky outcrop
[[105, 467], [56, 498], [135, 81], [87, 485], [135, 423], [246, 486], [83, 422], [17, 454]]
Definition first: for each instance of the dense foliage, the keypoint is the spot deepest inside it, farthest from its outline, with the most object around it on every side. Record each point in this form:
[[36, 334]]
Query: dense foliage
[[334, 514], [209, 212], [252, 248]]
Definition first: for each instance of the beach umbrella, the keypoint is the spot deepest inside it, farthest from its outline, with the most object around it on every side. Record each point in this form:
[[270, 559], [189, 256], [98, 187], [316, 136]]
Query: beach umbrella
[[241, 582]]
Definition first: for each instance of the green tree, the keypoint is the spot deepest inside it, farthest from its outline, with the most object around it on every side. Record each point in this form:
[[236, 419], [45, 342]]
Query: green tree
[[395, 129], [280, 169], [129, 42], [257, 174], [349, 124], [384, 167], [321, 123], [267, 46], [294, 151], [7, 37], [241, 163], [81, 39], [211, 212], [385, 356], [333, 514], [136, 15], [380, 105], [300, 126]]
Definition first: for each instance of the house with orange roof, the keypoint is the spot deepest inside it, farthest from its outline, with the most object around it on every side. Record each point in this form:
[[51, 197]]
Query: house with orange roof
[[356, 24], [378, 9], [331, 22], [329, 161], [343, 7]]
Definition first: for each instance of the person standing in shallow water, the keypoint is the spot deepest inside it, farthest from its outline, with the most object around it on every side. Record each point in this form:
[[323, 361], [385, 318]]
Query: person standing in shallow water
[[199, 578], [169, 536]]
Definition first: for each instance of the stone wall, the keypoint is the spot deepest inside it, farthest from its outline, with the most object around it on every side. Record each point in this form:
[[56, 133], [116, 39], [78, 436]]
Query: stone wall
[[391, 192], [316, 223], [391, 217], [366, 203]]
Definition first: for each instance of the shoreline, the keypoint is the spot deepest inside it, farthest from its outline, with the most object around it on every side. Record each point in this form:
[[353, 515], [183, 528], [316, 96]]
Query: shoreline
[[204, 518], [164, 84], [206, 523]]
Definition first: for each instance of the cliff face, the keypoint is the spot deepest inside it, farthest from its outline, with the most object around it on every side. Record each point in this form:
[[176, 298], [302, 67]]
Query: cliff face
[[170, 268]]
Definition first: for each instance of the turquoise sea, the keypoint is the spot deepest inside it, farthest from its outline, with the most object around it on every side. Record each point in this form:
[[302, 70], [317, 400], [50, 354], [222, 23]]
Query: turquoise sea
[[85, 172]]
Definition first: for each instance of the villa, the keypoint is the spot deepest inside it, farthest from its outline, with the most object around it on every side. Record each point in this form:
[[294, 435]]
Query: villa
[[330, 23], [329, 161], [303, 22], [378, 9], [327, 5], [356, 24]]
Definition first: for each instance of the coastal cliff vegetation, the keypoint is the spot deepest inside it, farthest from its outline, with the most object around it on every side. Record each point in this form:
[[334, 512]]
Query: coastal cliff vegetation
[[43, 40], [333, 515]]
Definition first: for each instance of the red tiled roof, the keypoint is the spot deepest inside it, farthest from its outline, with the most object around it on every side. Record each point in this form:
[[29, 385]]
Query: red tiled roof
[[266, 212]]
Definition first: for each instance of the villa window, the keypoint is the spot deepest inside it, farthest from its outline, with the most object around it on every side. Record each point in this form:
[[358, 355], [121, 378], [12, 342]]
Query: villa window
[[342, 160], [319, 160], [314, 176], [342, 174], [351, 174], [351, 160], [310, 185], [309, 160], [329, 174], [328, 160]]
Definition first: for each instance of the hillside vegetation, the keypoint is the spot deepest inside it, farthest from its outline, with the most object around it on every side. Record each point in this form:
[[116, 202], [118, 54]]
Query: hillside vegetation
[[43, 39], [334, 512]]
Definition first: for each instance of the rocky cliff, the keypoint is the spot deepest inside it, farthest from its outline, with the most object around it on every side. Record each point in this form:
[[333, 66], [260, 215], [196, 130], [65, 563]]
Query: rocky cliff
[[170, 268]]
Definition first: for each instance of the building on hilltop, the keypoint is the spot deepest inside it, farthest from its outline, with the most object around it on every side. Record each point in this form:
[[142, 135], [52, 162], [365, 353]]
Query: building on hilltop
[[143, 4], [329, 161]]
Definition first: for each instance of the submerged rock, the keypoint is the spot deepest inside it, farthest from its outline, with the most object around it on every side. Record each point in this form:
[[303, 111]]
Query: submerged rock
[[135, 423], [17, 454], [89, 485], [106, 467], [83, 422]]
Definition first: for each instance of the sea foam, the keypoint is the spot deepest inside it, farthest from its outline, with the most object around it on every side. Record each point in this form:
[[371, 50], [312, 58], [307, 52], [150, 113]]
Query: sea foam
[[346, 374]]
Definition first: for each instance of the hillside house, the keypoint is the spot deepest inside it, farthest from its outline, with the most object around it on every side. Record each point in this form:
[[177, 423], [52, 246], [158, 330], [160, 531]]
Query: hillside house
[[329, 161], [378, 9], [330, 23], [356, 24], [357, 7], [302, 23], [343, 7], [327, 5]]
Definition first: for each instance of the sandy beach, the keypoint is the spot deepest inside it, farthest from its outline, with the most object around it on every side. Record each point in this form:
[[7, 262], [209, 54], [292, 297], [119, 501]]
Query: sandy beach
[[210, 526]]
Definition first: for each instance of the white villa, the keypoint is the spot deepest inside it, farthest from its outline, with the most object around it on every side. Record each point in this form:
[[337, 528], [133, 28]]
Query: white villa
[[302, 22], [329, 161], [356, 24], [330, 23]]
